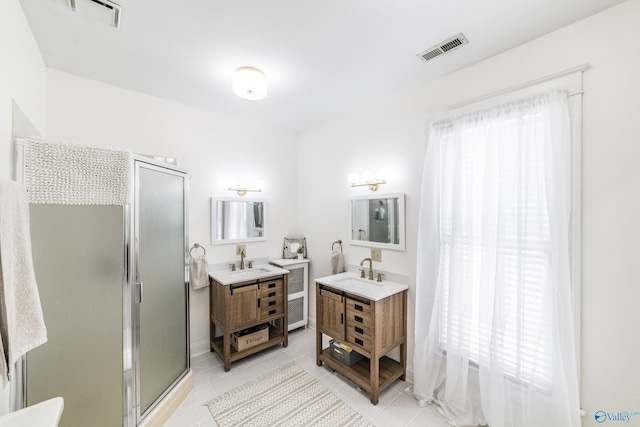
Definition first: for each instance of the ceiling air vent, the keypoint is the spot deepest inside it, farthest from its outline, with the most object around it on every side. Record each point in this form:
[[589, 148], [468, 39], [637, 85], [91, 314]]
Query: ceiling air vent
[[104, 11], [442, 48]]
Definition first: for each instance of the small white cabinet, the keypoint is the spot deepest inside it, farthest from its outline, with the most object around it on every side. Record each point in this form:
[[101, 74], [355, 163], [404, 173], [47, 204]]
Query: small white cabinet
[[298, 296]]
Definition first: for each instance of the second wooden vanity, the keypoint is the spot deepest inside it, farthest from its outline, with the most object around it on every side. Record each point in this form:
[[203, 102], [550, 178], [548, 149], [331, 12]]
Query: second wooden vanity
[[369, 317], [238, 305]]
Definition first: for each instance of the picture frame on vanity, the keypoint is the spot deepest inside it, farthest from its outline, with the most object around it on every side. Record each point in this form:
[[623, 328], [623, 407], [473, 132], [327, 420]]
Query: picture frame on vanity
[[290, 247]]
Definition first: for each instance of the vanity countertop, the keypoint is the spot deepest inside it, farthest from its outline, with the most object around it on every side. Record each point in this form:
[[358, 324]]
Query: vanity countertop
[[284, 262], [354, 284], [228, 277]]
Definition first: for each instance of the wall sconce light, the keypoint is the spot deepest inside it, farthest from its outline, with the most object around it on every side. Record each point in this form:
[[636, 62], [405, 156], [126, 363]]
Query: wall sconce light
[[249, 83], [368, 178], [244, 186]]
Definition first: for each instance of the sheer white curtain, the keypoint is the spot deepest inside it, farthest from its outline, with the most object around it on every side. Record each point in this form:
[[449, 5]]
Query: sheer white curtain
[[494, 325], [239, 217]]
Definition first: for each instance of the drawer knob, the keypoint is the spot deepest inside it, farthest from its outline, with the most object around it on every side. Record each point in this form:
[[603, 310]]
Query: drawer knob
[[358, 319]]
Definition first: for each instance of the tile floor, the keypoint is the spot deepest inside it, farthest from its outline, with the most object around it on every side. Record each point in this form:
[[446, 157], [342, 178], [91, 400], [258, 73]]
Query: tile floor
[[397, 406]]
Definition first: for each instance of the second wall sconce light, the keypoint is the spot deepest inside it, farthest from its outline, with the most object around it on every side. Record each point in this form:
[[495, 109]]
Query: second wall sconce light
[[369, 179], [243, 186]]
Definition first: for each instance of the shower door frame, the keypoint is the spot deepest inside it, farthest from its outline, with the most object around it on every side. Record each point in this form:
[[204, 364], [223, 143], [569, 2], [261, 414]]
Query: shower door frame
[[131, 296], [131, 415]]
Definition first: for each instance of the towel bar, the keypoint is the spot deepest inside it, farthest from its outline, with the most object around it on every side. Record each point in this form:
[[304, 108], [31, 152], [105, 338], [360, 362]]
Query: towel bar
[[196, 246]]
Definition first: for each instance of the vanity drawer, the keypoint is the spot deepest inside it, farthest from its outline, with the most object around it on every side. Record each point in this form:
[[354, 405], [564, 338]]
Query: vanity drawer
[[273, 306], [359, 339], [272, 288], [362, 307], [358, 328], [358, 314], [359, 323]]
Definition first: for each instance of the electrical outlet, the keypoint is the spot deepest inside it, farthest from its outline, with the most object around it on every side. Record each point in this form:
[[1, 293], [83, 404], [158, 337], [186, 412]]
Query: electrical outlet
[[240, 248], [376, 254]]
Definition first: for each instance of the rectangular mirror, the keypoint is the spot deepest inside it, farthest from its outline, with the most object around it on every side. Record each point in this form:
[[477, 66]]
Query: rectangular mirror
[[237, 220], [378, 221]]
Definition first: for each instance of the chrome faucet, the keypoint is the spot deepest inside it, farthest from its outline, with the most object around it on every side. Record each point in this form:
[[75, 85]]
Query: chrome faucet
[[370, 267], [242, 259]]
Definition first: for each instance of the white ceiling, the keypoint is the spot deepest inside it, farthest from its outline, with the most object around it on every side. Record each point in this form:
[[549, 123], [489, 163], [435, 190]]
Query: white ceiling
[[323, 58]]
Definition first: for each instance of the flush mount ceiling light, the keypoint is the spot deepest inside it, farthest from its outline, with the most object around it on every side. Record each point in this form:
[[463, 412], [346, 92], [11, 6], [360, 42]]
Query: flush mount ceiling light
[[249, 83]]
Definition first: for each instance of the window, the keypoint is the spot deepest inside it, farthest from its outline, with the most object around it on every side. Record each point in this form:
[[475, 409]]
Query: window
[[497, 283], [516, 233]]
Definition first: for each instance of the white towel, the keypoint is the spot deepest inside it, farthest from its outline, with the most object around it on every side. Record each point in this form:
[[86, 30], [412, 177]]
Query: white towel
[[21, 321], [198, 275], [337, 262]]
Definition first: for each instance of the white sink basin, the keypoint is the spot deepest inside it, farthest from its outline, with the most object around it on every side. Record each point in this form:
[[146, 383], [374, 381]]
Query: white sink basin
[[354, 284], [248, 273], [228, 277], [357, 281], [44, 414]]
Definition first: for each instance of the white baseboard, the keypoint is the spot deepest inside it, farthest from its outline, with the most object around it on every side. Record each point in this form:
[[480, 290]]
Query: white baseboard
[[199, 348], [410, 375]]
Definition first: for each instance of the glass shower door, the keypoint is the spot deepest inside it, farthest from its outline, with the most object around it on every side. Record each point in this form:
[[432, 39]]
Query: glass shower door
[[160, 240]]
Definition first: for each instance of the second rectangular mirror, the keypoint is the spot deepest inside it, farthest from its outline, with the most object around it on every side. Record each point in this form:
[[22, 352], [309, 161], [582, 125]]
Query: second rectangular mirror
[[237, 220], [378, 221]]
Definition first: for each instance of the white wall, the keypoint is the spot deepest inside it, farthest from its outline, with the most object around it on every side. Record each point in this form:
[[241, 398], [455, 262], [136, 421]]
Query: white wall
[[21, 81], [209, 146], [390, 135], [22, 77]]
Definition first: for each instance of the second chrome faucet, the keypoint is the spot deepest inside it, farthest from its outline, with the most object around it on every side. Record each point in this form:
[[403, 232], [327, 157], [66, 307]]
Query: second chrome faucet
[[370, 267]]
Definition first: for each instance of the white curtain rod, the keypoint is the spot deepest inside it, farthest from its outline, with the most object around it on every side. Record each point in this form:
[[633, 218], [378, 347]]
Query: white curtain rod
[[579, 68]]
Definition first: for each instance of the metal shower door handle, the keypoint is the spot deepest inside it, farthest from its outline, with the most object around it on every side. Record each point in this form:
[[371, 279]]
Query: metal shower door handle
[[138, 290]]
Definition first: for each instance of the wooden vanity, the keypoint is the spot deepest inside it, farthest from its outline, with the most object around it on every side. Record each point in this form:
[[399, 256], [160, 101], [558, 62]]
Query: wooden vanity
[[372, 320], [239, 305]]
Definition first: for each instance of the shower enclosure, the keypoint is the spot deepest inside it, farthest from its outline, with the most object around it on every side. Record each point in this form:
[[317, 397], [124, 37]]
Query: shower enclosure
[[113, 287]]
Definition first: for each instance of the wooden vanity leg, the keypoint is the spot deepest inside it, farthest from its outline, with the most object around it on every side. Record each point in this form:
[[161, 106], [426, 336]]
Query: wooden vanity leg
[[374, 379], [318, 326], [403, 346], [285, 329], [403, 360], [226, 351], [212, 335], [318, 347]]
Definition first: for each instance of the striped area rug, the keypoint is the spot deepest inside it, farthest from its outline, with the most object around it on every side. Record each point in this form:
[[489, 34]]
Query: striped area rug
[[287, 396]]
